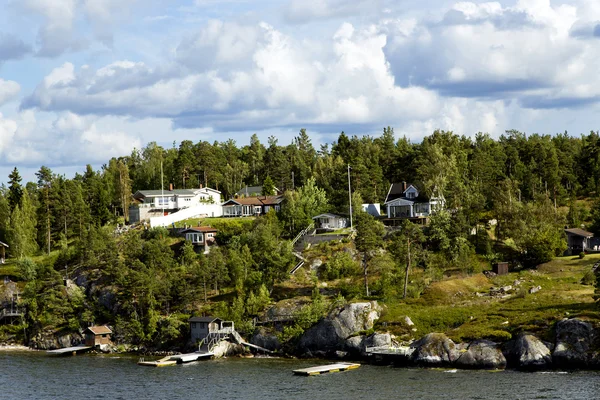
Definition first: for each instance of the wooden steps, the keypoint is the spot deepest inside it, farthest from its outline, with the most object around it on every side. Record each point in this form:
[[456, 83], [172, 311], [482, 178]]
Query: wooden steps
[[323, 369]]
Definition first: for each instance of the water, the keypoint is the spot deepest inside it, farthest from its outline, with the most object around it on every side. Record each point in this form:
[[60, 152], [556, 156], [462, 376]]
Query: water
[[39, 376]]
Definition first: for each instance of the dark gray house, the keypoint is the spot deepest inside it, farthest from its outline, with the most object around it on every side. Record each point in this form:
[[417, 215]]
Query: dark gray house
[[579, 241]]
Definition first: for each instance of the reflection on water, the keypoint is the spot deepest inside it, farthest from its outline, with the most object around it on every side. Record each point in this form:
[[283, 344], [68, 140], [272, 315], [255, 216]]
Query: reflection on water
[[39, 376]]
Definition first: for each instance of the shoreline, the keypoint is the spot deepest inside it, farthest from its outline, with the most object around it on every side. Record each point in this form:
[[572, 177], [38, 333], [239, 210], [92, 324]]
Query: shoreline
[[15, 347]]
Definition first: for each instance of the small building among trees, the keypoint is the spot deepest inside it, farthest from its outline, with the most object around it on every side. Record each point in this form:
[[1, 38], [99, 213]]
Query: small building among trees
[[97, 335], [200, 236], [578, 241], [3, 247], [330, 221]]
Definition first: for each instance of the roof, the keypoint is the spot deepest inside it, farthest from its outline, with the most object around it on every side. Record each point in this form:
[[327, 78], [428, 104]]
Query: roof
[[156, 193], [329, 215], [397, 191], [3, 244], [99, 330], [204, 319], [579, 232], [249, 191], [256, 201], [200, 229]]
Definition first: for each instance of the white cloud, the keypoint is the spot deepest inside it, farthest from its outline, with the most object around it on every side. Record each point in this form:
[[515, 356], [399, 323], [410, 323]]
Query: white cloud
[[8, 91], [302, 11], [8, 128]]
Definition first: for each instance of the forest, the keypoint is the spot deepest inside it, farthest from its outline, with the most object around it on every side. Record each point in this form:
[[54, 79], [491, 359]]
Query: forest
[[508, 198]]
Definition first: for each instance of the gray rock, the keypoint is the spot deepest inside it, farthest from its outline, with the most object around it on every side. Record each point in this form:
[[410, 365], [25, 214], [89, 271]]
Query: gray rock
[[359, 344], [263, 339], [535, 289], [378, 340], [574, 339], [434, 349], [50, 340], [482, 354], [330, 333], [315, 264], [528, 352], [408, 321], [355, 344]]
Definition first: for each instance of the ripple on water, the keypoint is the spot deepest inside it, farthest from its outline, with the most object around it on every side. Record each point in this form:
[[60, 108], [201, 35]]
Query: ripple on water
[[100, 377]]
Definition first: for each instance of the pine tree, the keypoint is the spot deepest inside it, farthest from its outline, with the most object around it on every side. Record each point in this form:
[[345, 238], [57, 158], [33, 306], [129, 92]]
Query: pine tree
[[15, 190]]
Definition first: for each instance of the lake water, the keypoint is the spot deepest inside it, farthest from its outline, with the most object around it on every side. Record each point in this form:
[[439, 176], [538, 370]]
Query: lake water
[[35, 375]]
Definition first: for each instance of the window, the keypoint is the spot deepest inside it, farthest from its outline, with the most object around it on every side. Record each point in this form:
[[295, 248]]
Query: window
[[193, 325], [411, 195], [163, 201]]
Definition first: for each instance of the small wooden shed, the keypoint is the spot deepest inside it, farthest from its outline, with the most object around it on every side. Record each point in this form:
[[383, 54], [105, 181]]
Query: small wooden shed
[[97, 335], [500, 268], [3, 247]]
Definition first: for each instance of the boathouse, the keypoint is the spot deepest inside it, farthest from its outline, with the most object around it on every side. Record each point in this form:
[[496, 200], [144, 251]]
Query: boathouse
[[202, 327], [97, 335]]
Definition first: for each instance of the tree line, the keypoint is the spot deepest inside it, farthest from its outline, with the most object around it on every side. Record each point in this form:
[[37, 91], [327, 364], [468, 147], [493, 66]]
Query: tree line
[[526, 184]]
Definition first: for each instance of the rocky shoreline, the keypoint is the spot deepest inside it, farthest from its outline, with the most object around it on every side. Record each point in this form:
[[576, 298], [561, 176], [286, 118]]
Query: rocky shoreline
[[341, 334], [347, 333]]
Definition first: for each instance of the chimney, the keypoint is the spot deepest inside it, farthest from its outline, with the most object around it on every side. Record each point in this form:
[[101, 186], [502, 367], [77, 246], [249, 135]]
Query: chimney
[[200, 186], [403, 186], [170, 187]]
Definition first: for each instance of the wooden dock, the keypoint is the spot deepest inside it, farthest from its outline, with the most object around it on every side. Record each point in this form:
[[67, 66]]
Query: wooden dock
[[69, 350], [163, 362], [176, 359], [323, 369], [190, 357]]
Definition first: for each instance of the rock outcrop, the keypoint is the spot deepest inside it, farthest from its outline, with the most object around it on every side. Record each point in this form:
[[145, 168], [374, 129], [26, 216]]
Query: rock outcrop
[[358, 344], [527, 352], [330, 333], [574, 340], [434, 349], [264, 339], [52, 340], [482, 354]]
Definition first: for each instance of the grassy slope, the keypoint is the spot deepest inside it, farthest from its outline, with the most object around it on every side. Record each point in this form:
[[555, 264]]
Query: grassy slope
[[453, 307]]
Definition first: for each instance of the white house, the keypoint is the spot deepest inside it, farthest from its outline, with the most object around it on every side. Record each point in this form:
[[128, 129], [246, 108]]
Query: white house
[[330, 221], [404, 201], [155, 203]]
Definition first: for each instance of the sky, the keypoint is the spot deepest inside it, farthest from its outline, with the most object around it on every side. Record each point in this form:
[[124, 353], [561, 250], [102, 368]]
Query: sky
[[82, 81]]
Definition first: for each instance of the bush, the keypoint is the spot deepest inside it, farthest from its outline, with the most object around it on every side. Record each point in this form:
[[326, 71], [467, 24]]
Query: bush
[[581, 255], [341, 265], [589, 278]]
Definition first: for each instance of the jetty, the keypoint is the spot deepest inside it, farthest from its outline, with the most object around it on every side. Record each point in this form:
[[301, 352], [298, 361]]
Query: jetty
[[163, 362], [324, 369], [70, 350], [176, 359]]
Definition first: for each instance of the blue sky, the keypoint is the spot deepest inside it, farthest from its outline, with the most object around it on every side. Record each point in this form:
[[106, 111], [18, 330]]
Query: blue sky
[[85, 80]]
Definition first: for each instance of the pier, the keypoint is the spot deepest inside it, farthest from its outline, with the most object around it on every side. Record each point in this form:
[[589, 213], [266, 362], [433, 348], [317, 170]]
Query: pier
[[176, 359], [324, 369], [70, 350]]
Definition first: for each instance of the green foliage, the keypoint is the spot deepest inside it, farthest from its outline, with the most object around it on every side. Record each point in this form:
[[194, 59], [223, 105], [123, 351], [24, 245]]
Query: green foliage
[[581, 255], [340, 265], [268, 188], [301, 205]]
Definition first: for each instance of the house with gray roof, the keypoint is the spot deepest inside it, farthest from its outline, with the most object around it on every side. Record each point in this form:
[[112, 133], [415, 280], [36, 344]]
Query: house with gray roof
[[404, 201]]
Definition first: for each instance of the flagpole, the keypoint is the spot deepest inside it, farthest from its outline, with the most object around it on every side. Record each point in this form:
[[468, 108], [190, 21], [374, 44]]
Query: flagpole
[[350, 196], [162, 189]]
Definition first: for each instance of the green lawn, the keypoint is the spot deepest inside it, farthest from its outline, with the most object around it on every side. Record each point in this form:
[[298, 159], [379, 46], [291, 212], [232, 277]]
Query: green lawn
[[453, 306]]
